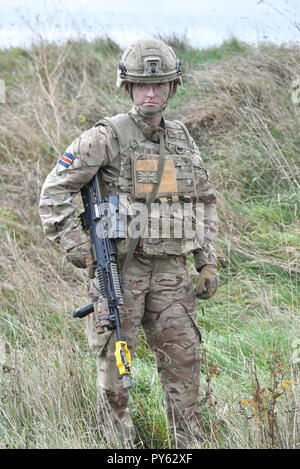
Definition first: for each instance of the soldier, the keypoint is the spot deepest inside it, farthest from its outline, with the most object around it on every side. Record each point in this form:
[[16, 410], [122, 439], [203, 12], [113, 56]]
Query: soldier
[[132, 152]]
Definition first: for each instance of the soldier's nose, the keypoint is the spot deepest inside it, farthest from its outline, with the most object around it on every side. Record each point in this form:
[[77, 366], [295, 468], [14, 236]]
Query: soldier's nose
[[150, 91]]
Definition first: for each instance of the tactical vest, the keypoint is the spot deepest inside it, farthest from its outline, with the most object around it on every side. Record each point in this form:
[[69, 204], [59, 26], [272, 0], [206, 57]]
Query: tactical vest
[[134, 173]]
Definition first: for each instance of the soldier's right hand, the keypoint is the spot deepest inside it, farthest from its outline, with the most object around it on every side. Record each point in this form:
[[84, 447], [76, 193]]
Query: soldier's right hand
[[81, 256], [208, 282]]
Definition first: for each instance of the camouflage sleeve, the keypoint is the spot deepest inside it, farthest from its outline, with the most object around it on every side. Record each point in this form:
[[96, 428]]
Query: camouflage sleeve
[[207, 223], [75, 168]]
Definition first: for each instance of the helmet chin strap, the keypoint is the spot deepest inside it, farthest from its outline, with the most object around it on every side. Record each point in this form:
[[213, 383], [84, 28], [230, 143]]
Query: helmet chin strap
[[151, 111]]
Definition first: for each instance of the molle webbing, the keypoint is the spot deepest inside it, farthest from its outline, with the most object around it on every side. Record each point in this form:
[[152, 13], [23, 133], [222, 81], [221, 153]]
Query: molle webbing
[[187, 135]]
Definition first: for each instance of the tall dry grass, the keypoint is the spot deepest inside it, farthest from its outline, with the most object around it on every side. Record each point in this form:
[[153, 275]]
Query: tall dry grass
[[237, 104]]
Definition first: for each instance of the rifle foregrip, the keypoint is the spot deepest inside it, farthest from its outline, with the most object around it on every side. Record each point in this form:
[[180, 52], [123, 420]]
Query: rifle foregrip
[[83, 311]]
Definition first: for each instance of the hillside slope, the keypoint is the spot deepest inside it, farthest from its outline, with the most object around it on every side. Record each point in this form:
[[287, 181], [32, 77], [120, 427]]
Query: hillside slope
[[237, 102]]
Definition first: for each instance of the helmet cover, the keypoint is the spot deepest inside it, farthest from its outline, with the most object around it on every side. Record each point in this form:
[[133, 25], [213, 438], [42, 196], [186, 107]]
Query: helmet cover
[[148, 61]]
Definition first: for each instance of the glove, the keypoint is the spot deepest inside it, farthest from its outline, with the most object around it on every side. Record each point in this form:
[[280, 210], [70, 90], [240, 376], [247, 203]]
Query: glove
[[81, 256], [208, 282]]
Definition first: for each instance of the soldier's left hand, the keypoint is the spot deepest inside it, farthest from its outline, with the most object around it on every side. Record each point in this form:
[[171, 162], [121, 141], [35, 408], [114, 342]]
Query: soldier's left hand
[[81, 256], [208, 282]]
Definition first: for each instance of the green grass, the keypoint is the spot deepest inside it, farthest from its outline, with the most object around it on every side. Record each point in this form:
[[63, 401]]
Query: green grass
[[192, 57]]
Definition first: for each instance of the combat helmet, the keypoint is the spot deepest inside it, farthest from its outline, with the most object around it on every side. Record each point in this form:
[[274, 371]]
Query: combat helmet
[[148, 61]]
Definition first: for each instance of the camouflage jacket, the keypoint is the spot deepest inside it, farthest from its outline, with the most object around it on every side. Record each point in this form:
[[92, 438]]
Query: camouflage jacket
[[112, 146]]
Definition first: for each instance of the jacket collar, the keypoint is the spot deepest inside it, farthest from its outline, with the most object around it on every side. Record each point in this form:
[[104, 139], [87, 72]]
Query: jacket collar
[[151, 132]]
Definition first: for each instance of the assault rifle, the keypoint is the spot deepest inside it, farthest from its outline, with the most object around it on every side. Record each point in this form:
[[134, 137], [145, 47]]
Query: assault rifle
[[104, 253]]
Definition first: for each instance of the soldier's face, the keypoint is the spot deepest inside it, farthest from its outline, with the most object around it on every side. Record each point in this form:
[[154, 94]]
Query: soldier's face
[[150, 95]]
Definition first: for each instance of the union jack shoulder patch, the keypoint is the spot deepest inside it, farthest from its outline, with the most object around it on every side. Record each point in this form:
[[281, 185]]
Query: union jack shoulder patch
[[66, 160]]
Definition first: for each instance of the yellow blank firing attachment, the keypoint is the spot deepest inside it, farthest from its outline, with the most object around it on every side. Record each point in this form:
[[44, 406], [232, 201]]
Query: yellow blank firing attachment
[[123, 363]]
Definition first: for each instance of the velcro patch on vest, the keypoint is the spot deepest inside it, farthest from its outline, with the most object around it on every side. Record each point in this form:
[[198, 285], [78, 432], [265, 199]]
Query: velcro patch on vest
[[177, 178], [146, 177]]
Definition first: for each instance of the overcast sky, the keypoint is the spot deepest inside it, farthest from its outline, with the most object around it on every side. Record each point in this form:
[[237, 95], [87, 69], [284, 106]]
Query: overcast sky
[[204, 23]]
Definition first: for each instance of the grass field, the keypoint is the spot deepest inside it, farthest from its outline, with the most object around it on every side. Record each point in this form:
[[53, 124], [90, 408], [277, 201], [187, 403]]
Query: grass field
[[237, 102]]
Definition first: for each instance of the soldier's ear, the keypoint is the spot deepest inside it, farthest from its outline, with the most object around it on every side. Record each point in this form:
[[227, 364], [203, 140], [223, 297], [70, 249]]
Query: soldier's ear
[[173, 91], [128, 90]]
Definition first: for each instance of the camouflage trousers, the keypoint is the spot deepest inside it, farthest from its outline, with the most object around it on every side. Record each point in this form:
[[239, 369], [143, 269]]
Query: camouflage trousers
[[159, 298]]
